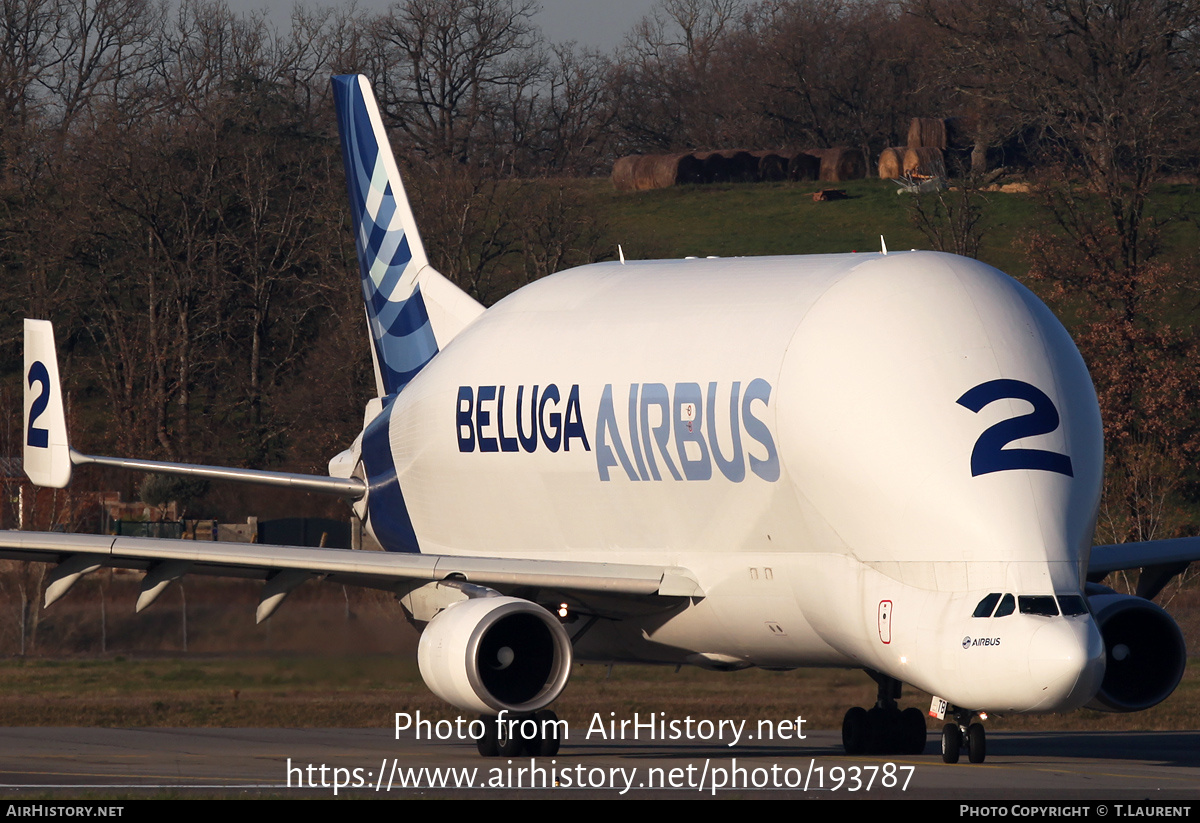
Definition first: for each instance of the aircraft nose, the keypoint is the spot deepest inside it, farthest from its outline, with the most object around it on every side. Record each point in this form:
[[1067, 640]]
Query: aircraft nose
[[1066, 663]]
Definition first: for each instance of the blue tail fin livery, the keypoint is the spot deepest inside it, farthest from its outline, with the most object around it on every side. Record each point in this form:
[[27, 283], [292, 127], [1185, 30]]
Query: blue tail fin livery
[[391, 258]]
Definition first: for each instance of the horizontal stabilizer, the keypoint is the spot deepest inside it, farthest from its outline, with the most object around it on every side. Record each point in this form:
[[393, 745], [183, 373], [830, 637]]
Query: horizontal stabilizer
[[48, 456], [349, 487]]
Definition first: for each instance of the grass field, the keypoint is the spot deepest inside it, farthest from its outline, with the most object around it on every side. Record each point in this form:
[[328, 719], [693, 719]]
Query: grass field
[[365, 691], [325, 660], [782, 218]]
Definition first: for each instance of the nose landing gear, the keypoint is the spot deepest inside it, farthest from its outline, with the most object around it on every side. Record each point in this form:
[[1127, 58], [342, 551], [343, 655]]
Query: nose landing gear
[[964, 731]]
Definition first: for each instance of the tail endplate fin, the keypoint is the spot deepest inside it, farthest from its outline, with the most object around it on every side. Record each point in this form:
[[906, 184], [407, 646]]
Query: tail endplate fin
[[412, 310], [47, 454]]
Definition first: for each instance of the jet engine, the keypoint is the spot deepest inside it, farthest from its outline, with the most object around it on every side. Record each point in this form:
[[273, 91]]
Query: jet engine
[[491, 654], [1144, 653]]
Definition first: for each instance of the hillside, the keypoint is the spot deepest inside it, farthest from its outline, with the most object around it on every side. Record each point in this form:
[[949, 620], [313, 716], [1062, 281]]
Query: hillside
[[781, 218]]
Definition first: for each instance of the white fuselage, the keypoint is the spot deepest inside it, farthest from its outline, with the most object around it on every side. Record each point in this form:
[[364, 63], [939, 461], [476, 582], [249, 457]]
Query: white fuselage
[[798, 433]]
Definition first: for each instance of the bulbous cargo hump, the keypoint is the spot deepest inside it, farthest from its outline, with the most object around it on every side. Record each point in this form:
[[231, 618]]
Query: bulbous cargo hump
[[948, 396]]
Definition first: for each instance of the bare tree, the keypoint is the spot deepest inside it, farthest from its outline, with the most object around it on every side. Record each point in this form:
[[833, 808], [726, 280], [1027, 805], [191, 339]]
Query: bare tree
[[27, 34], [671, 90], [448, 65], [833, 73], [469, 225], [952, 219], [562, 124], [1112, 86], [101, 55], [578, 110], [556, 231], [1112, 89], [690, 31]]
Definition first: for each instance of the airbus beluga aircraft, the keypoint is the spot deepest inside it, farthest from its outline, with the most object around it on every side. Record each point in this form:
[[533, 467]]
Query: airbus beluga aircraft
[[890, 462]]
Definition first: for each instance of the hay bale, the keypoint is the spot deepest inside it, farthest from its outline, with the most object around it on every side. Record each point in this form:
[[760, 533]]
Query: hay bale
[[851, 164], [742, 166], [728, 166], [803, 166], [714, 166], [961, 132], [891, 163], [640, 172], [688, 171], [840, 163], [772, 166], [622, 172], [819, 154], [657, 171], [668, 170], [924, 162], [966, 151], [645, 172], [927, 132]]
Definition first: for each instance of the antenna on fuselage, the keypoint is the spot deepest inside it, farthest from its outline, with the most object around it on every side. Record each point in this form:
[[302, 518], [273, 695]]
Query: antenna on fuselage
[[621, 254], [882, 245]]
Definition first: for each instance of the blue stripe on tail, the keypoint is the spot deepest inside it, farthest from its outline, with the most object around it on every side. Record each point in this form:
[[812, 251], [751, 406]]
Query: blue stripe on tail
[[400, 328]]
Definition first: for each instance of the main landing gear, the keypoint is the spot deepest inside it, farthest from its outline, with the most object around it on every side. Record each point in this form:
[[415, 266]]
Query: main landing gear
[[964, 732], [884, 729], [516, 735]]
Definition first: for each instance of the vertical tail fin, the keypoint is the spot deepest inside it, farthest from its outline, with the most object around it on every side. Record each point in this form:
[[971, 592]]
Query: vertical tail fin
[[47, 455], [412, 310]]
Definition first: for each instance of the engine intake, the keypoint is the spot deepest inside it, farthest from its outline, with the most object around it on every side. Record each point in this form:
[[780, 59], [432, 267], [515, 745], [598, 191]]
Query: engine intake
[[491, 654], [1144, 653]]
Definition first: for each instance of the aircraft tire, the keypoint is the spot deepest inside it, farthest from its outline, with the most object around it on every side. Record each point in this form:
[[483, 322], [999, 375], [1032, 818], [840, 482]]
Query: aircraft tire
[[854, 731], [512, 745], [951, 743], [487, 744], [545, 745], [976, 743], [880, 731], [912, 721]]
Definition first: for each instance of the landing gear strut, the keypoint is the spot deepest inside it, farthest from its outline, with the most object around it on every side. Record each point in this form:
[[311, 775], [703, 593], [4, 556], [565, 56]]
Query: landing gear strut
[[964, 730], [884, 729], [531, 735]]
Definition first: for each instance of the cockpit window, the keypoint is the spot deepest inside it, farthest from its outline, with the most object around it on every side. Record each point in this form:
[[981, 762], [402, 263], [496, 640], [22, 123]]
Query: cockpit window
[[1039, 604], [987, 605], [1042, 605]]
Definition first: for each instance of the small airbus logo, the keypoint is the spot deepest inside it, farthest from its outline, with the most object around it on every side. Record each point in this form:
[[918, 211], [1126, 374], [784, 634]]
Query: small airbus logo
[[980, 641]]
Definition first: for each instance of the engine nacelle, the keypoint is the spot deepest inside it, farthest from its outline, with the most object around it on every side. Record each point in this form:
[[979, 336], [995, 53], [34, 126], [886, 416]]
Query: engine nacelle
[[490, 654], [1144, 653]]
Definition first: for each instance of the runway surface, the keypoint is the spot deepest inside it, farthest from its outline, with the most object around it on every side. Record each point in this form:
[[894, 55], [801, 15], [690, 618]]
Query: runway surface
[[135, 763]]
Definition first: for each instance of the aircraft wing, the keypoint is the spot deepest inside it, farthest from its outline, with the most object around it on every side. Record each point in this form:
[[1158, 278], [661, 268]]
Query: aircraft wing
[[285, 567], [1160, 560]]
